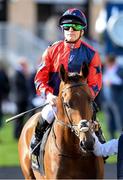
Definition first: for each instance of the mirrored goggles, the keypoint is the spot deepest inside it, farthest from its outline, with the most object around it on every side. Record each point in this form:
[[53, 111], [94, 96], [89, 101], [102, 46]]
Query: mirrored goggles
[[75, 27]]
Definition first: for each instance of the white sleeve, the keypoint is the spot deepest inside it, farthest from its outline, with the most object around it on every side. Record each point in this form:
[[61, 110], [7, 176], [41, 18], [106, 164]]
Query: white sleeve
[[107, 149]]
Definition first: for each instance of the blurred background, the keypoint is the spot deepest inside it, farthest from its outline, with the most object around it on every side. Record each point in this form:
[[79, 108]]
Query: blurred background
[[27, 27]]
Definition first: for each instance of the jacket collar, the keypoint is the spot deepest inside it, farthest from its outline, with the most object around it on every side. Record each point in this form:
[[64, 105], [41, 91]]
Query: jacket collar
[[73, 45]]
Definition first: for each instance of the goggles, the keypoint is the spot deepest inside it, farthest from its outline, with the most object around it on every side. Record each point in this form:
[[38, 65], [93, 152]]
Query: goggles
[[75, 27]]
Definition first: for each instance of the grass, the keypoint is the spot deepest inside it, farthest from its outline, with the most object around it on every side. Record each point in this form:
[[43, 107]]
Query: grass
[[8, 145]]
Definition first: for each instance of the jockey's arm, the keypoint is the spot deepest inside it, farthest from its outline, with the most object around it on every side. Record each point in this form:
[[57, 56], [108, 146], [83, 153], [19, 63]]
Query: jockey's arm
[[107, 149], [42, 76], [94, 78]]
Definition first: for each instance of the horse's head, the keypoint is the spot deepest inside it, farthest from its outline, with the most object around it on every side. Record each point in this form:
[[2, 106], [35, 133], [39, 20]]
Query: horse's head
[[76, 102]]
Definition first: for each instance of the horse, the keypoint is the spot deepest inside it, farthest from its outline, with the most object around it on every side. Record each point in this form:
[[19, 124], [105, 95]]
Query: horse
[[69, 147]]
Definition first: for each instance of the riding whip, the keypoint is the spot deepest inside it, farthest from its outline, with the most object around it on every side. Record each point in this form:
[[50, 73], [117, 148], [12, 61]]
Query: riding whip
[[23, 113]]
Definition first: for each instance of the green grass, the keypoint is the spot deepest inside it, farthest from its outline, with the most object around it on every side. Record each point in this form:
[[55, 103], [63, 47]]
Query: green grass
[[8, 145]]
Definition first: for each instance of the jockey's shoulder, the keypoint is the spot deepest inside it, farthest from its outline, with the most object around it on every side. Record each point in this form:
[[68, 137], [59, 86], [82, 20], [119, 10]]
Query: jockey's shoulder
[[56, 43]]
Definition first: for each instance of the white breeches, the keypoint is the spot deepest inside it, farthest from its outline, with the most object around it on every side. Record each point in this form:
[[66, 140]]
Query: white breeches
[[48, 113], [107, 149]]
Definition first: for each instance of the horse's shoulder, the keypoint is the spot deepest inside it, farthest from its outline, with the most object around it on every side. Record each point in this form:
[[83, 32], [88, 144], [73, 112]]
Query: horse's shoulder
[[33, 119]]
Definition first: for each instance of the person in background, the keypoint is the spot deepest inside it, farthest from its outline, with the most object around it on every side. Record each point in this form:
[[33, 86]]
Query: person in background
[[21, 93], [117, 89], [72, 52], [112, 94], [4, 89], [32, 92]]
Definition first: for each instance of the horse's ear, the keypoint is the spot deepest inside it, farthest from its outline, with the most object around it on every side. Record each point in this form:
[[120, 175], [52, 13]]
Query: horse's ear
[[63, 73], [84, 70]]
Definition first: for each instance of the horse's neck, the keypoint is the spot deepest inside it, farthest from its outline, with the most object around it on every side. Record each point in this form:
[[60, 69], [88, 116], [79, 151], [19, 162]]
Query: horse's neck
[[64, 135], [66, 141]]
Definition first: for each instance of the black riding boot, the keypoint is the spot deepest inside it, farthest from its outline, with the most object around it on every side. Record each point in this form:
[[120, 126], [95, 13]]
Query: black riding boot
[[39, 132]]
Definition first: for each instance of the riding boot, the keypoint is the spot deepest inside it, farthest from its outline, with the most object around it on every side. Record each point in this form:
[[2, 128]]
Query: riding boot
[[40, 129]]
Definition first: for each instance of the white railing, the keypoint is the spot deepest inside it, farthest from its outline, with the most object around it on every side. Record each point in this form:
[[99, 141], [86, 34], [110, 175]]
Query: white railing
[[16, 42]]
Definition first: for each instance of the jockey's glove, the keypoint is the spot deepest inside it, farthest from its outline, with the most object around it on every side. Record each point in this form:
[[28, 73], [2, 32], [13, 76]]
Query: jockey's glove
[[51, 99]]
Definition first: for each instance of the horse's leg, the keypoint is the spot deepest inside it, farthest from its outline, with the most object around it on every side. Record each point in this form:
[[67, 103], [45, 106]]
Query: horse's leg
[[24, 146]]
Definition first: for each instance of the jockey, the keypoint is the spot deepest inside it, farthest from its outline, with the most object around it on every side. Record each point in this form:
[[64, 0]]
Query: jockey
[[72, 52], [112, 147]]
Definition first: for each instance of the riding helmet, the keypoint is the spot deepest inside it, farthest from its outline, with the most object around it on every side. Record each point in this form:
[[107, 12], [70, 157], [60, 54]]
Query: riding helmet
[[73, 16]]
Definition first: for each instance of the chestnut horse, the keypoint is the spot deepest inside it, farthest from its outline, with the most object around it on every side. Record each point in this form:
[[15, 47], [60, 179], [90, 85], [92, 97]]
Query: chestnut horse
[[69, 147]]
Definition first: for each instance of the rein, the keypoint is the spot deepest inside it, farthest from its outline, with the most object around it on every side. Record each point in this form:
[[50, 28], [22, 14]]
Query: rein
[[73, 127], [83, 126]]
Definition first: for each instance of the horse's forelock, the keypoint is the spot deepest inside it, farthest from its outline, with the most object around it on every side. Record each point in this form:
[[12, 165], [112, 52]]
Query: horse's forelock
[[74, 76]]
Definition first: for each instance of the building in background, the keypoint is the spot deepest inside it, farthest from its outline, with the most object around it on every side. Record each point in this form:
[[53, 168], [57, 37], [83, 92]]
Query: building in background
[[38, 16], [33, 14]]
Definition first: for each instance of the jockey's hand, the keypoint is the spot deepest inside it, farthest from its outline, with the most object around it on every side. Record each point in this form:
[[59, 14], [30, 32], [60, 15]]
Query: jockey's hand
[[51, 99]]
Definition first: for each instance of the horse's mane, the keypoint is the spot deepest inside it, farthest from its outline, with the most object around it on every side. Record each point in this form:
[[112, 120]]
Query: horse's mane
[[74, 77]]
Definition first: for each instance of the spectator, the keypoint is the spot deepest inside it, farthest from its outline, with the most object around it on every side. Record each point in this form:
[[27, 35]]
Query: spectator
[[32, 92], [113, 94], [21, 92], [4, 89], [34, 99]]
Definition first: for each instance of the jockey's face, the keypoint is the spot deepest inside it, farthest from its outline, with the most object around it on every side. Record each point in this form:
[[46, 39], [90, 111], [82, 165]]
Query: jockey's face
[[72, 35]]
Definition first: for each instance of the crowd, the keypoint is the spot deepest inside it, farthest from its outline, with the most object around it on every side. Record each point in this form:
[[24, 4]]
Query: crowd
[[17, 89], [111, 96], [4, 89]]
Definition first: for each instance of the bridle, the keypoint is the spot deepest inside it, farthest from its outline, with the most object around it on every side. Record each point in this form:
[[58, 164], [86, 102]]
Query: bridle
[[84, 124]]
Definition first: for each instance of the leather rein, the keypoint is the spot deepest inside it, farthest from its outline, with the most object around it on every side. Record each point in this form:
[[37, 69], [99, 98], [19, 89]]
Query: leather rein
[[72, 126], [66, 107]]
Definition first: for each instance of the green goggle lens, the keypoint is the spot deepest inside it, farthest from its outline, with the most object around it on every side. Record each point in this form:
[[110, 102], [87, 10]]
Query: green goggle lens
[[75, 27]]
